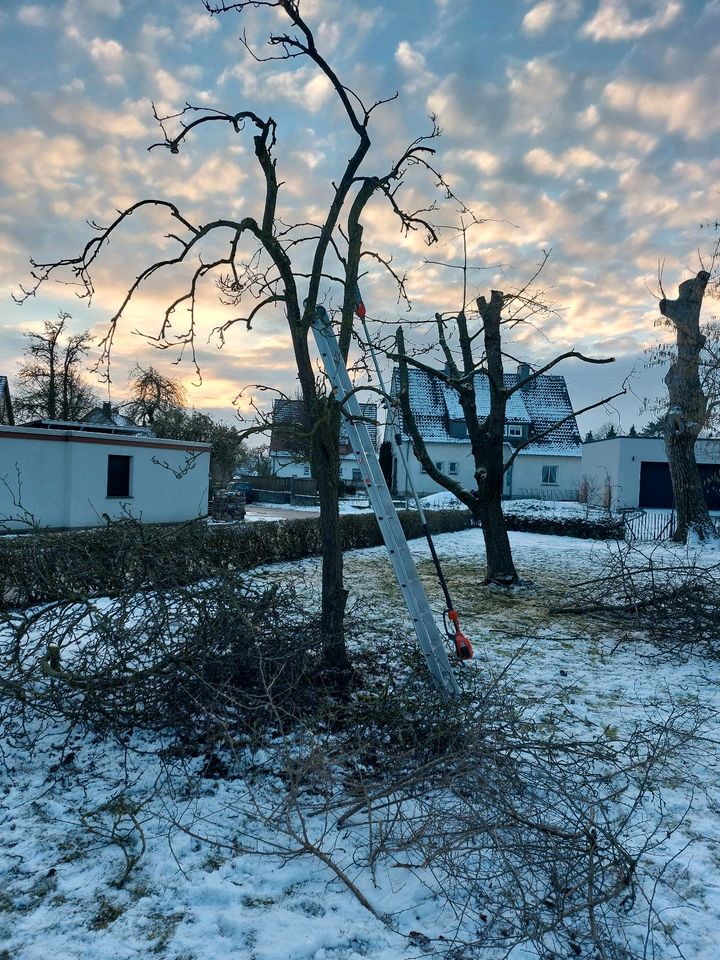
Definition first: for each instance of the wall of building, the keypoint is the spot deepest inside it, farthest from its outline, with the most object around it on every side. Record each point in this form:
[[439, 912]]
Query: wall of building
[[525, 477], [60, 478], [442, 453], [283, 466], [617, 462]]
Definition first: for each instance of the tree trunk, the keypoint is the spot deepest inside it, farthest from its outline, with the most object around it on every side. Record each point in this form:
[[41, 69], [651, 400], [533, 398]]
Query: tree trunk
[[692, 511], [325, 458], [499, 566], [687, 410], [488, 448]]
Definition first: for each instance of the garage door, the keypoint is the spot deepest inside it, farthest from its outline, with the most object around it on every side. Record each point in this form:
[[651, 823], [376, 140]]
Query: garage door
[[656, 487]]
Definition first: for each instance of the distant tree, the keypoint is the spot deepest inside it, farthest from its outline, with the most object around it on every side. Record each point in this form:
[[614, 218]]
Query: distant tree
[[228, 450], [589, 437], [632, 432], [49, 383], [259, 462], [152, 393], [607, 431], [654, 428]]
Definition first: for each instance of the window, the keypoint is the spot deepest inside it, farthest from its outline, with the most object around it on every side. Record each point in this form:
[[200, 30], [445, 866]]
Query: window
[[452, 468], [306, 471], [439, 465], [357, 476], [118, 476], [549, 475], [513, 430]]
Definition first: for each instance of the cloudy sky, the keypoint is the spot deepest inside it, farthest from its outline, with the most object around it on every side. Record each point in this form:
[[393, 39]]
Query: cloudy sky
[[588, 128]]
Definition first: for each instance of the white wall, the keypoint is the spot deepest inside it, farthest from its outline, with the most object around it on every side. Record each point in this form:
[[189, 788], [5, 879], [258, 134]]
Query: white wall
[[284, 466], [444, 453], [527, 476], [526, 470], [617, 461], [60, 478]]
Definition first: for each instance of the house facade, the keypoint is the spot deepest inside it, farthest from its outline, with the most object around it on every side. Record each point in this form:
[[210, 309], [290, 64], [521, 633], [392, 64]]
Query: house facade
[[66, 475], [288, 442], [633, 472], [547, 468]]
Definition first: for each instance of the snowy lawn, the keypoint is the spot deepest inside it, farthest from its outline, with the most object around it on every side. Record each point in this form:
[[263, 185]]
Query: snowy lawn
[[93, 865]]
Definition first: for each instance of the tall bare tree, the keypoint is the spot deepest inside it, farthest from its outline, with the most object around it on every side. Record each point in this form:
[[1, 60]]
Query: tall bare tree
[[268, 263], [688, 408], [50, 382]]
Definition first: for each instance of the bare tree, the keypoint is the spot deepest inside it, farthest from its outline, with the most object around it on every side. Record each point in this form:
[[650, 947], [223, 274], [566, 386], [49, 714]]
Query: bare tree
[[151, 393], [485, 431], [688, 408], [50, 383], [268, 263]]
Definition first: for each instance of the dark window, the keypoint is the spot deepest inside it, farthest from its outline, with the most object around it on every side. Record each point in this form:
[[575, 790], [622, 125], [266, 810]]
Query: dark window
[[549, 475], [118, 480], [357, 475]]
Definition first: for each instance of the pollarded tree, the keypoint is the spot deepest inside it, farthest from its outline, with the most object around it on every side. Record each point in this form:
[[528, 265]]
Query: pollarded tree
[[471, 344], [265, 263], [688, 408], [50, 385]]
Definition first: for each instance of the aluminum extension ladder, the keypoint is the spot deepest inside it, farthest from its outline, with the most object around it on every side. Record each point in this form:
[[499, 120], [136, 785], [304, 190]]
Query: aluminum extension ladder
[[429, 636]]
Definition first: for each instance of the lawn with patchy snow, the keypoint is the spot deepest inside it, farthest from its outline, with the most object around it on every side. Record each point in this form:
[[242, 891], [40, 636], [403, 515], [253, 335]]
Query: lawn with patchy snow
[[85, 874]]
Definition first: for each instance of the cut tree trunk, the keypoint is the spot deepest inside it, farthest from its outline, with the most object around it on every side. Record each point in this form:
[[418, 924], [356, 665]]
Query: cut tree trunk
[[687, 410]]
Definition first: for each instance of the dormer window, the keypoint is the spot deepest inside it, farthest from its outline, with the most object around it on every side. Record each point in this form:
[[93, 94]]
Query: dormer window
[[513, 430]]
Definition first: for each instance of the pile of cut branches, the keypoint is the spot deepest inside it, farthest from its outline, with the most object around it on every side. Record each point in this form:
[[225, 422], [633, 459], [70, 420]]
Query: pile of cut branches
[[669, 597]]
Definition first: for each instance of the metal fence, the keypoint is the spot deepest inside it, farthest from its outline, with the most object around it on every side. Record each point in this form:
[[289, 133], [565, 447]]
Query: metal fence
[[654, 525]]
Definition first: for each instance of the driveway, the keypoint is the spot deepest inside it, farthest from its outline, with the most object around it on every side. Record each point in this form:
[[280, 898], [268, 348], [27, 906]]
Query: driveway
[[269, 511]]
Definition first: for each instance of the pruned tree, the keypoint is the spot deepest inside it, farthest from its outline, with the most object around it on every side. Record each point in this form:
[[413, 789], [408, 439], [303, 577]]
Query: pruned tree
[[268, 263], [152, 393], [688, 408], [50, 385], [479, 354]]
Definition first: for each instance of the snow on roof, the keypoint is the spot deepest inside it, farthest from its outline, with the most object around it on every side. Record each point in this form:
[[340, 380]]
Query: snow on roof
[[540, 403], [288, 417], [515, 411]]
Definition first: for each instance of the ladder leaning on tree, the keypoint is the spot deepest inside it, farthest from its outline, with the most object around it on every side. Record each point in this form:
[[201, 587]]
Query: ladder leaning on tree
[[429, 636]]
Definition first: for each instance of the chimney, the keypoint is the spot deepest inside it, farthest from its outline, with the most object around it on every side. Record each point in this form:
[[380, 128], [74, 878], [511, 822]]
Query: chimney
[[107, 410], [523, 371]]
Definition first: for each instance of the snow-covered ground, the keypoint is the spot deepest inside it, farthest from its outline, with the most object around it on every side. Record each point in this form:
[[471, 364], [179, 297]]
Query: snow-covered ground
[[61, 862]]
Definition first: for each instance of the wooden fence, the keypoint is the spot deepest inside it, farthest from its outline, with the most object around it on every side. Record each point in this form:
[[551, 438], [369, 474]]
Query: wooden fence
[[302, 486]]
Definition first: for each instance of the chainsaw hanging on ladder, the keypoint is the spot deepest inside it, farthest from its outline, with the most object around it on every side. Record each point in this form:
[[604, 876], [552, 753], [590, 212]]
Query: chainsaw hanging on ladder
[[429, 637]]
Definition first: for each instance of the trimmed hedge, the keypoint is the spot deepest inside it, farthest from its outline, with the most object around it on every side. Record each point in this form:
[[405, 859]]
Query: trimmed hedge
[[46, 565], [559, 526]]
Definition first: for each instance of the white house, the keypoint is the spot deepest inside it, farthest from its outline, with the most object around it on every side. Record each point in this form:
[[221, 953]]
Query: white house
[[66, 475], [288, 440], [633, 472], [548, 468]]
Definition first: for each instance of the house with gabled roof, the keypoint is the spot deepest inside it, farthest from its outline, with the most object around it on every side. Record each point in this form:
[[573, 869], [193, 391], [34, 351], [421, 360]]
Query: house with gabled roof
[[288, 441], [549, 467], [6, 410]]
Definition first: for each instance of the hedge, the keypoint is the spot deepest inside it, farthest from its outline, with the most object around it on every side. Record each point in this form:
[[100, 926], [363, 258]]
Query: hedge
[[46, 565]]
